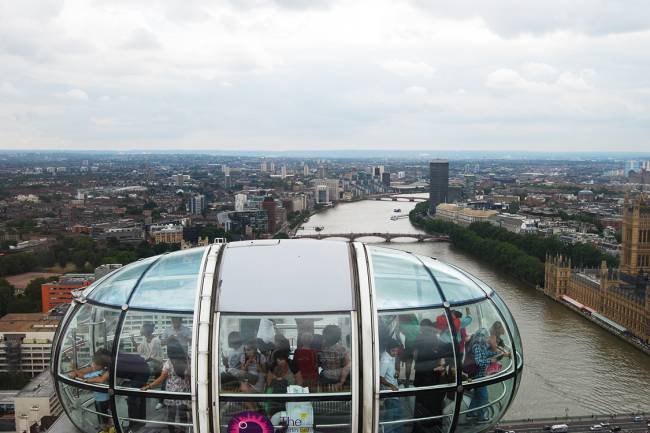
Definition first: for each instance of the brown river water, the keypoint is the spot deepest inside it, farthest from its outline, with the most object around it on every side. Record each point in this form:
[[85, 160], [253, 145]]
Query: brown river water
[[570, 363]]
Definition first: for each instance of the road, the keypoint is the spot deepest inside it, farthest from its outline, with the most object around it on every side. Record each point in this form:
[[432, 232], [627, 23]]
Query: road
[[579, 425]]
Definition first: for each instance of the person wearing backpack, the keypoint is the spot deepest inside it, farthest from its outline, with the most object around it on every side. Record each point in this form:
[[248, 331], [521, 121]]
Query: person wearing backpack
[[478, 358]]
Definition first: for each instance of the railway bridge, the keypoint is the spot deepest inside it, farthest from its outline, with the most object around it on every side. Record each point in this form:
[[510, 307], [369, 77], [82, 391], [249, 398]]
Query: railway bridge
[[387, 237]]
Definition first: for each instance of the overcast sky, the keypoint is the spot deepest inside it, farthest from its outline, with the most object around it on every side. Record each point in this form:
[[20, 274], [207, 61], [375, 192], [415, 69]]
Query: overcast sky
[[554, 75]]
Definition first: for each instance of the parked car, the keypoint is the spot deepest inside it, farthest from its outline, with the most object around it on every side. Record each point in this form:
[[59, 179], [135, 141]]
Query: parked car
[[596, 427], [546, 428], [638, 418], [616, 429], [604, 424]]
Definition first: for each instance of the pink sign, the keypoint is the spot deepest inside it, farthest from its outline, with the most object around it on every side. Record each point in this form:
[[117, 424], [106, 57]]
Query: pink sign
[[250, 422]]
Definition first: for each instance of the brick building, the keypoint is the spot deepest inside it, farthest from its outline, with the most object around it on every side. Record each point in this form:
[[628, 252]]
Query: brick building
[[59, 292]]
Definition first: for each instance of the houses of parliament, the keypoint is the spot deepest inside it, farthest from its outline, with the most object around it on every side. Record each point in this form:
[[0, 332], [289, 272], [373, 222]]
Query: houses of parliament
[[622, 295]]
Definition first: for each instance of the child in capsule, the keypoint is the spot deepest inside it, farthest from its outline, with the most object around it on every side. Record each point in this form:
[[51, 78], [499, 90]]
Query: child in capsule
[[98, 373], [176, 371]]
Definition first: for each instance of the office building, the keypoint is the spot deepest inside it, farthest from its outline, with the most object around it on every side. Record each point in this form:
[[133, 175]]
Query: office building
[[240, 202], [35, 403], [105, 269], [322, 194], [385, 179], [196, 204], [438, 183], [168, 234], [59, 292], [26, 342]]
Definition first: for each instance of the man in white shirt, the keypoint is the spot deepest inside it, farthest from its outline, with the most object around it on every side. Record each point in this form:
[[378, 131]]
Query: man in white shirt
[[150, 348], [392, 410], [182, 333]]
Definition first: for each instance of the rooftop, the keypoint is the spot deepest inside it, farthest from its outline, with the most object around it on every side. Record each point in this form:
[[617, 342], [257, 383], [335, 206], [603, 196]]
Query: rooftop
[[28, 322], [41, 385]]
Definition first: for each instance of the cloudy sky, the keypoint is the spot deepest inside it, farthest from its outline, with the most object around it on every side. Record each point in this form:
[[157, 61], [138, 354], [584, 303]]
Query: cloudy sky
[[547, 75]]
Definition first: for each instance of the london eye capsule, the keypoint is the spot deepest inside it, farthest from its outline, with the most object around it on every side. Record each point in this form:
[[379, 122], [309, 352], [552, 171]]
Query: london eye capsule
[[287, 335]]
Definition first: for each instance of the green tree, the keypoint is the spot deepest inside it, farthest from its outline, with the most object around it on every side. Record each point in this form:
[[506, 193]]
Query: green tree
[[6, 296]]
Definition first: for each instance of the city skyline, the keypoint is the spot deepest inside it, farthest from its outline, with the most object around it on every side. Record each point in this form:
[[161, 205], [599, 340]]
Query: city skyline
[[290, 75]]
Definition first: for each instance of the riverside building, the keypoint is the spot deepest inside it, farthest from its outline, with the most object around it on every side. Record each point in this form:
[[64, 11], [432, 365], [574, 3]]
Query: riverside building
[[438, 183], [621, 296], [262, 339]]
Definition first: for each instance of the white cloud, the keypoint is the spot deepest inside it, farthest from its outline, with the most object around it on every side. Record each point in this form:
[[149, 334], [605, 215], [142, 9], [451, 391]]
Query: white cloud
[[8, 89], [573, 82], [409, 69], [254, 73], [505, 78], [538, 71], [74, 94], [417, 91], [142, 39]]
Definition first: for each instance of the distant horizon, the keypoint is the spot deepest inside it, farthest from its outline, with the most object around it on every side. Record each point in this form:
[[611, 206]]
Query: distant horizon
[[358, 154]]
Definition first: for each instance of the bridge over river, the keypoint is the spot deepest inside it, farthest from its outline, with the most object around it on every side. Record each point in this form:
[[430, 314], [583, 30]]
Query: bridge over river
[[387, 237]]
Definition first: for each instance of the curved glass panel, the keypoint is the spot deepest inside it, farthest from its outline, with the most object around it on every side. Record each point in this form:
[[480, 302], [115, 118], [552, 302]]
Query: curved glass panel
[[512, 326], [88, 341], [170, 284], [428, 411], [415, 349], [274, 354], [455, 285], [484, 343], [115, 289], [88, 410], [401, 281], [483, 406], [154, 350], [138, 413], [489, 290]]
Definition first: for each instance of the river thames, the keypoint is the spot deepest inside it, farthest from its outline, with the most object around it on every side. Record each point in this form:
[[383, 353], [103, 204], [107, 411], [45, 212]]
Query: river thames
[[571, 364]]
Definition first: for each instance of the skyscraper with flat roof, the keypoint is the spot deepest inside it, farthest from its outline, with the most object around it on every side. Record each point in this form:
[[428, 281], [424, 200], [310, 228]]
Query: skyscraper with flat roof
[[438, 183]]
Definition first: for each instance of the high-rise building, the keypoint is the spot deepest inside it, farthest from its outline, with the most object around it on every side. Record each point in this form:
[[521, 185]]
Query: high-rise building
[[305, 170], [263, 166], [332, 188], [385, 179], [180, 179], [469, 187], [378, 171], [322, 194], [438, 183], [322, 172], [271, 207], [240, 202], [196, 204], [631, 166], [636, 236], [283, 171], [271, 167]]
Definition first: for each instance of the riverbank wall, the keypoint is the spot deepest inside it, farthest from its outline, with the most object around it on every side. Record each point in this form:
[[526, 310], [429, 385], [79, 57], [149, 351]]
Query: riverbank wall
[[640, 346]]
